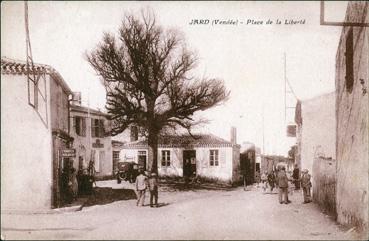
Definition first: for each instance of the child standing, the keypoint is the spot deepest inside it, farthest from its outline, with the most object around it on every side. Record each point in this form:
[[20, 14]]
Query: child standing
[[153, 187]]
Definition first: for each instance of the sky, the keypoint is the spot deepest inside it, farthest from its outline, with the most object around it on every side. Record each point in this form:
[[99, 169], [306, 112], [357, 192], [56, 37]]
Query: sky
[[248, 57]]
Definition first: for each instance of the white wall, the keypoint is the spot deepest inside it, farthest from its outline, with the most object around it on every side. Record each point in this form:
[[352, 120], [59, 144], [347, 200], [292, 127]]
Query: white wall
[[223, 171], [83, 146], [26, 149], [318, 134]]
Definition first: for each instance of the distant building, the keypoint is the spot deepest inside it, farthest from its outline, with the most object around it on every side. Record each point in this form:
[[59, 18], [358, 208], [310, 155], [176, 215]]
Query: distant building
[[210, 156], [270, 163], [352, 83], [34, 132], [91, 139], [316, 130], [247, 161], [117, 148]]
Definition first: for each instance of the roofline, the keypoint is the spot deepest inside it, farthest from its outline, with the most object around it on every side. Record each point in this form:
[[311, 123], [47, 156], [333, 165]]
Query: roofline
[[144, 146], [49, 70], [85, 110]]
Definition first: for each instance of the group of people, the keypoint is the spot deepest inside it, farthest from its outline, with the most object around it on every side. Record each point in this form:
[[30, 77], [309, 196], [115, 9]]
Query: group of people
[[280, 179], [74, 183], [144, 182]]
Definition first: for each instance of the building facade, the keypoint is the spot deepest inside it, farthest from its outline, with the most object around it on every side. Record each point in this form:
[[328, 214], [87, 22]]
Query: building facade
[[316, 142], [210, 156], [91, 140], [352, 118], [34, 131]]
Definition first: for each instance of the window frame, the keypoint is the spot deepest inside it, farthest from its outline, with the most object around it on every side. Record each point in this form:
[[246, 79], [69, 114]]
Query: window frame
[[165, 158], [81, 124], [214, 157]]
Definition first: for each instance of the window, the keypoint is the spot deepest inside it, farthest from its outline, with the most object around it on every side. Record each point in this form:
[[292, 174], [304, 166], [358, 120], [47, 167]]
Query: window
[[116, 155], [165, 158], [97, 128], [79, 124], [115, 160], [37, 95], [214, 158], [349, 61]]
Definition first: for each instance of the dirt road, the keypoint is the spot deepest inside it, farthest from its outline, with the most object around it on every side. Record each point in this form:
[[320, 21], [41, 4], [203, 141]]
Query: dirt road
[[200, 214]]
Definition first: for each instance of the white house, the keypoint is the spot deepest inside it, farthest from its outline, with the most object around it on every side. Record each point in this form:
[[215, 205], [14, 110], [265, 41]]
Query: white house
[[91, 141], [34, 132], [210, 156]]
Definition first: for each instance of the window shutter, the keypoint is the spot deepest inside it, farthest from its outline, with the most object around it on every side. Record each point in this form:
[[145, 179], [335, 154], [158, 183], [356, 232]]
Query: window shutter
[[83, 126], [206, 160], [74, 119], [222, 157], [101, 127], [92, 127]]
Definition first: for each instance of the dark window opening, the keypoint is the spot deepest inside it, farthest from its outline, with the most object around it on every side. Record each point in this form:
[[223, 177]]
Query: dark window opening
[[349, 61], [80, 125], [134, 133], [97, 128]]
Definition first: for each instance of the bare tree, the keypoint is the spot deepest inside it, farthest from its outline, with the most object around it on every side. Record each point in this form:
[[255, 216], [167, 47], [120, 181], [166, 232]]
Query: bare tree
[[146, 72]]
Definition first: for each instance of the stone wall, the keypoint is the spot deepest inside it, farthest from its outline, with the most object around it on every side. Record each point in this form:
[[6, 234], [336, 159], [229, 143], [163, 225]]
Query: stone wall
[[324, 184], [352, 119]]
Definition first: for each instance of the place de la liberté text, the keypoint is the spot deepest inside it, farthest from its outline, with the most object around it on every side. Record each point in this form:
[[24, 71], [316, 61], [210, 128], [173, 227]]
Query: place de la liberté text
[[246, 22]]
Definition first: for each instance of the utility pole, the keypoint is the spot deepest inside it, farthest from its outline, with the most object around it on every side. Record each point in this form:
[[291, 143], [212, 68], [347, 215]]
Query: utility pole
[[285, 90], [263, 129]]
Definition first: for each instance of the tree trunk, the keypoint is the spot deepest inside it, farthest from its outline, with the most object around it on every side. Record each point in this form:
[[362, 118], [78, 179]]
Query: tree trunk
[[153, 151]]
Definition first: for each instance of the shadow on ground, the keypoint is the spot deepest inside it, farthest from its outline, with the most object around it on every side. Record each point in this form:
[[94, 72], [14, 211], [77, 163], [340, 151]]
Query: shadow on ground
[[175, 186], [105, 195]]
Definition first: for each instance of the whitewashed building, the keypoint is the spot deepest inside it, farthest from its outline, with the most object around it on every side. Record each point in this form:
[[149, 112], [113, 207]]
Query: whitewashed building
[[91, 139], [210, 156], [34, 132]]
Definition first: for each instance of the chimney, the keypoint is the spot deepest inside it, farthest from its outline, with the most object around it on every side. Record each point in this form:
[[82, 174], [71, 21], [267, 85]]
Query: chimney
[[76, 98], [233, 135]]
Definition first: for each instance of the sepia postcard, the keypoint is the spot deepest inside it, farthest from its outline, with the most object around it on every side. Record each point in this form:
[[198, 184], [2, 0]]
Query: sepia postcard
[[184, 120]]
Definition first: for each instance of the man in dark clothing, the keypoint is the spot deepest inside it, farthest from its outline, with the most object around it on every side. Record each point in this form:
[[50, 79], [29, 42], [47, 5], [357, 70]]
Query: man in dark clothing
[[153, 187], [296, 177], [271, 180], [283, 186], [306, 185]]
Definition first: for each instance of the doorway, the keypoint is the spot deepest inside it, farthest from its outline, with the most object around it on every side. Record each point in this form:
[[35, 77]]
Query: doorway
[[142, 159], [189, 163]]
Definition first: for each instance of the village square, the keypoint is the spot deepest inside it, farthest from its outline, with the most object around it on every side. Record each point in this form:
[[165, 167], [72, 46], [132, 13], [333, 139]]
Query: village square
[[130, 121]]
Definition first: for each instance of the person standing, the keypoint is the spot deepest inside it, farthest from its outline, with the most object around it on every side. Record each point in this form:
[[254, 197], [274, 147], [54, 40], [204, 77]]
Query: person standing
[[73, 183], [264, 180], [271, 180], [153, 187], [296, 177], [283, 186], [141, 185], [306, 185]]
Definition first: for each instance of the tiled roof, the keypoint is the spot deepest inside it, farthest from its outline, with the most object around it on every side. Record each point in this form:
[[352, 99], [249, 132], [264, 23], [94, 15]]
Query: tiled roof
[[202, 140], [19, 67]]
